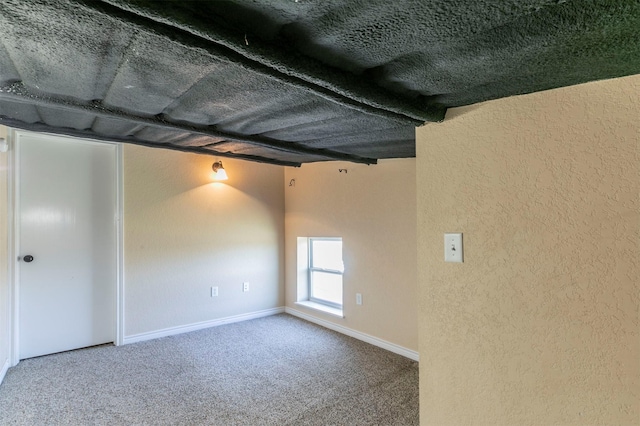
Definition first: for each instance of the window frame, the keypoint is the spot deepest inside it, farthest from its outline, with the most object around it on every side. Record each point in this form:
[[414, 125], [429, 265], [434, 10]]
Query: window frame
[[311, 269]]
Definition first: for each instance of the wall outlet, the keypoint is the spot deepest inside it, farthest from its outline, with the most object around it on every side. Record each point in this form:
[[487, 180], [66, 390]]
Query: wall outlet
[[214, 291], [358, 299], [245, 286]]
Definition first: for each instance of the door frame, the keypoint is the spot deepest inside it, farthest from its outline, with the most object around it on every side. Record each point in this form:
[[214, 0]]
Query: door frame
[[13, 206]]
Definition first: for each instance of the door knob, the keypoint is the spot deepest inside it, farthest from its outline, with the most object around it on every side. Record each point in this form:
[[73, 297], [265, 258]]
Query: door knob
[[28, 258]]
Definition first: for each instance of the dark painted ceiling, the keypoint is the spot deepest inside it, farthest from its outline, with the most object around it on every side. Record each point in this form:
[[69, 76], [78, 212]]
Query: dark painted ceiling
[[293, 81]]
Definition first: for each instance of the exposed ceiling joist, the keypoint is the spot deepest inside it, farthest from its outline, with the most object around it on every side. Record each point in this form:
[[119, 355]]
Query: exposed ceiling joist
[[17, 92], [272, 60]]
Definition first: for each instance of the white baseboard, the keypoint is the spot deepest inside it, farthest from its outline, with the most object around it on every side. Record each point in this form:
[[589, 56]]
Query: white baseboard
[[392, 347], [200, 325], [4, 370]]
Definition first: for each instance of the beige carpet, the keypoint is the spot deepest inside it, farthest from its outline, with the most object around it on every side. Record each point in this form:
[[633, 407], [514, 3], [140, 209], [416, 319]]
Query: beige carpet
[[277, 370]]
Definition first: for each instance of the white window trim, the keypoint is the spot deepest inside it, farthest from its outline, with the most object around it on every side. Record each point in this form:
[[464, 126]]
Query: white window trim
[[322, 308], [312, 269], [304, 280]]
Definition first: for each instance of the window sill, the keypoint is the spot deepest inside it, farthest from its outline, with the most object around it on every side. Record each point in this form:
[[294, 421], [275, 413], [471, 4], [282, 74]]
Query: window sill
[[322, 308]]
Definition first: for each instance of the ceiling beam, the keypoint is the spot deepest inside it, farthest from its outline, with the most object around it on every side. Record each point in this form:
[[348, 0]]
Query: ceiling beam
[[343, 88], [87, 134], [17, 92]]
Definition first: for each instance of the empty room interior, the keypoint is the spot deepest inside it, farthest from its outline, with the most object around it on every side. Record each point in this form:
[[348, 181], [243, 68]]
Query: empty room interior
[[430, 209]]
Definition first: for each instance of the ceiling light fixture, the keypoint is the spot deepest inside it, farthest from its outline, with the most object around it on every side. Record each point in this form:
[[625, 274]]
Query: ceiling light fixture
[[220, 173]]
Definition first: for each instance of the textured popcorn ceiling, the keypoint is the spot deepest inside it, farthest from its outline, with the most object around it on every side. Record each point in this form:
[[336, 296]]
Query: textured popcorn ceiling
[[292, 81]]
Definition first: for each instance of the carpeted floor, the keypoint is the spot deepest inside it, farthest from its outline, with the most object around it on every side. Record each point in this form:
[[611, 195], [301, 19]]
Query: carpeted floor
[[277, 370]]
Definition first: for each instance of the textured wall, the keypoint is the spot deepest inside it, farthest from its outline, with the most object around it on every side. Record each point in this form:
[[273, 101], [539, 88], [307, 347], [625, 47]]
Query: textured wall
[[373, 209], [539, 325], [4, 278], [184, 234]]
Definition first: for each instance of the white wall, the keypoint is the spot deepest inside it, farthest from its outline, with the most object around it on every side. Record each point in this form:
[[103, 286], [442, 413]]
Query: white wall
[[184, 234], [4, 278], [373, 209]]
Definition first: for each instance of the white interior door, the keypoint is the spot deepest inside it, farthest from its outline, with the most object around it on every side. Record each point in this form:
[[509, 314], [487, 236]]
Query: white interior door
[[66, 197]]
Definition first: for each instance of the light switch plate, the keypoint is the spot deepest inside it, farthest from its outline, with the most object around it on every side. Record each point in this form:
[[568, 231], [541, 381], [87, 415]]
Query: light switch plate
[[453, 248]]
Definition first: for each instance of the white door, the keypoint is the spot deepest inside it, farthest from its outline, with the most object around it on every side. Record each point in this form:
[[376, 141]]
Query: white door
[[66, 197]]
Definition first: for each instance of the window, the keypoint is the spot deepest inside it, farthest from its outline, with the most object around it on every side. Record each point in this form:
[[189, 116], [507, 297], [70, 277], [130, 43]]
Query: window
[[325, 271], [319, 274]]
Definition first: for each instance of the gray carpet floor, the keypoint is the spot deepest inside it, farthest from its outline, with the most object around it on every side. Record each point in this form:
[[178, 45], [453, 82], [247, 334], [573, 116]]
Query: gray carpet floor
[[277, 370]]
